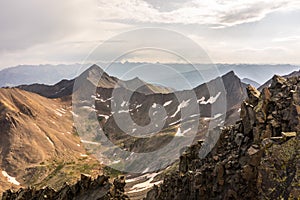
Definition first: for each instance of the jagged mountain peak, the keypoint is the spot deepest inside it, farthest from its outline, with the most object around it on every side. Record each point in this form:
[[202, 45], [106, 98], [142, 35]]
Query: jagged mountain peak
[[230, 74]]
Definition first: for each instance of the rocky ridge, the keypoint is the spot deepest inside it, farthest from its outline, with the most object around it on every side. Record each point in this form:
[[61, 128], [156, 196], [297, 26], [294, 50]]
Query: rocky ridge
[[86, 188], [257, 158]]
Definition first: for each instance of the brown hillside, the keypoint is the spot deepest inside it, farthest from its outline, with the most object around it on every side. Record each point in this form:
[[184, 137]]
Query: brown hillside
[[37, 138]]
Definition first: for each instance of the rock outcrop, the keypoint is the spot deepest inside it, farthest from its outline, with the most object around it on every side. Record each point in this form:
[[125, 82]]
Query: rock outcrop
[[257, 158], [85, 189]]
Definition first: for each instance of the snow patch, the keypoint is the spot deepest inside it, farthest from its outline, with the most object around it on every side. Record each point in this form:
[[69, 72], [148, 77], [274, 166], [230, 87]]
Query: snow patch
[[96, 98], [10, 178], [212, 99], [195, 115], [102, 100], [200, 100], [144, 185], [183, 104], [123, 103], [167, 103], [123, 111], [89, 108], [173, 123], [105, 116], [90, 142], [116, 161], [180, 134], [217, 115]]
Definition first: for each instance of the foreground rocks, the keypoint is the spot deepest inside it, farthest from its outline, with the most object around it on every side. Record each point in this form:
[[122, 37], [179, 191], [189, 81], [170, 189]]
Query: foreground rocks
[[257, 158], [85, 189]]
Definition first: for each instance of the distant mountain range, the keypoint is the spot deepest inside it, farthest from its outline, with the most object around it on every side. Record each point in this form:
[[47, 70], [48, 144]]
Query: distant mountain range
[[44, 74], [30, 74]]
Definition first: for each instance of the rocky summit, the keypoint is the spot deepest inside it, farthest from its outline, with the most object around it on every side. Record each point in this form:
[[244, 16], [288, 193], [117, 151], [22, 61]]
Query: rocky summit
[[257, 158]]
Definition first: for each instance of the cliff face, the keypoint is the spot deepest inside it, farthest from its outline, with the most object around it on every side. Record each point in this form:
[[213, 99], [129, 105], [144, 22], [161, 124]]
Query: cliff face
[[257, 158]]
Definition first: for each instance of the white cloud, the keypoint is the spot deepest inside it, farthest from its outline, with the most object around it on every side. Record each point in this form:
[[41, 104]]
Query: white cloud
[[225, 13]]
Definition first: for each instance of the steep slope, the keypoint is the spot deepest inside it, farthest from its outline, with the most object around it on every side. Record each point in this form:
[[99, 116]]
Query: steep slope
[[37, 140], [257, 158]]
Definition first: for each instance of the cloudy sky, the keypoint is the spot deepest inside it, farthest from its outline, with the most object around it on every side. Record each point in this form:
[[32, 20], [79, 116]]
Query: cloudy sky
[[230, 31]]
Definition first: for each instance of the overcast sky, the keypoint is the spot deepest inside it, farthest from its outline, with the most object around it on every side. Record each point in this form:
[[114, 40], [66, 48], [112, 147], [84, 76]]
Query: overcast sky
[[230, 31]]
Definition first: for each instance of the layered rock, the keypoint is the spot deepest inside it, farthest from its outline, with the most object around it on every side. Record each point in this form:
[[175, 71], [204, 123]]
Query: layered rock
[[257, 158]]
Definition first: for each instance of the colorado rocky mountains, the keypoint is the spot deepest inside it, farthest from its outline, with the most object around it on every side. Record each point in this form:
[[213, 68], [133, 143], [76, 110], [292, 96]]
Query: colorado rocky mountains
[[56, 154], [215, 101], [256, 158], [39, 145]]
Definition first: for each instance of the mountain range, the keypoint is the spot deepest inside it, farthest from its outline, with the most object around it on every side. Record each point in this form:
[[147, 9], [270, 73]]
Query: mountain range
[[41, 146]]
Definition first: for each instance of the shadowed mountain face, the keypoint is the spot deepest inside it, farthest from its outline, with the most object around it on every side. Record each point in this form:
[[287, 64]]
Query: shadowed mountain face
[[127, 118], [257, 158], [50, 118], [217, 101], [218, 97], [234, 88], [37, 137]]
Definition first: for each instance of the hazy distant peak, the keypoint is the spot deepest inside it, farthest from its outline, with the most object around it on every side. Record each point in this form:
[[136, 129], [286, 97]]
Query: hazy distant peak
[[250, 82]]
